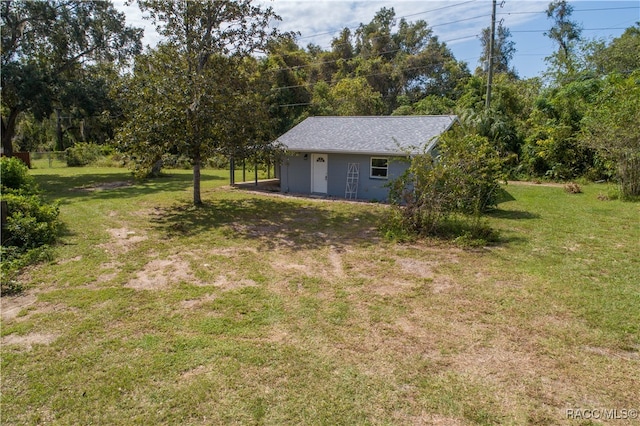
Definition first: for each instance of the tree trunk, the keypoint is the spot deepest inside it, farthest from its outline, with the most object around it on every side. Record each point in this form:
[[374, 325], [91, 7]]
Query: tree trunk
[[59, 142], [197, 200], [156, 168], [629, 174], [8, 131]]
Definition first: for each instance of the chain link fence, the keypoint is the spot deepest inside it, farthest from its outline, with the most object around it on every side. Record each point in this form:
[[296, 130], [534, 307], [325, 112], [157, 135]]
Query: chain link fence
[[43, 160]]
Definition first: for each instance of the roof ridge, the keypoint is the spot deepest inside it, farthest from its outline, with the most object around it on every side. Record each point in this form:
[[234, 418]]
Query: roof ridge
[[366, 134]]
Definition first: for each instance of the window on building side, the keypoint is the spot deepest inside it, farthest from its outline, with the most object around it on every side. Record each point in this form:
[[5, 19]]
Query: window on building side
[[379, 167]]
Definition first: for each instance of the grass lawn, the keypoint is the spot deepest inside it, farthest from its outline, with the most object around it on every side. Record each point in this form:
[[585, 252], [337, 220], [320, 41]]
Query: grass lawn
[[262, 309]]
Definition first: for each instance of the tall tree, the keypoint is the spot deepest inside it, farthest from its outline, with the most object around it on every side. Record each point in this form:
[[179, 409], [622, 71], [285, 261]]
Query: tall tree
[[375, 38], [46, 43], [350, 96], [621, 56], [503, 49], [287, 66], [341, 46], [552, 148], [411, 62], [159, 124], [209, 38], [566, 33], [611, 126]]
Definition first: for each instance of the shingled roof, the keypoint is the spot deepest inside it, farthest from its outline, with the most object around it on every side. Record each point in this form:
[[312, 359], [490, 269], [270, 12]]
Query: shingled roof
[[374, 135]]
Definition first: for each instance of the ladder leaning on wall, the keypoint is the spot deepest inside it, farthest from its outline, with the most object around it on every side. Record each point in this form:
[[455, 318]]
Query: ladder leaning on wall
[[353, 174]]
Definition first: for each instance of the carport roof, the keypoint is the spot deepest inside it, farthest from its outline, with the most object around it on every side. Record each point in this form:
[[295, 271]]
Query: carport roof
[[373, 135]]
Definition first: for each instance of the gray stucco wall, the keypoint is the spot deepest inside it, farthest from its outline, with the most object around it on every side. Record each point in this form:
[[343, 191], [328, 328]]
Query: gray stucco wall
[[295, 175]]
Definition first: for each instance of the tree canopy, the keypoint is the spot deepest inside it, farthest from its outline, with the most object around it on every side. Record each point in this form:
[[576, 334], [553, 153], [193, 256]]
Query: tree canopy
[[221, 82], [46, 44], [194, 90], [611, 126]]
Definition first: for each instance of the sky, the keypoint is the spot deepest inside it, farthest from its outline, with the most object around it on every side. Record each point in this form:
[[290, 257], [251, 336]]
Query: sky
[[458, 23]]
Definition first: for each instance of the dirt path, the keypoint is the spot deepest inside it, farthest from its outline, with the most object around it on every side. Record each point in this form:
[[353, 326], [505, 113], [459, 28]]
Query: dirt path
[[527, 183]]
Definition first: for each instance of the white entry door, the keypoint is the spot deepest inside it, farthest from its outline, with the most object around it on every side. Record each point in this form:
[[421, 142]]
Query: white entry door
[[319, 169]]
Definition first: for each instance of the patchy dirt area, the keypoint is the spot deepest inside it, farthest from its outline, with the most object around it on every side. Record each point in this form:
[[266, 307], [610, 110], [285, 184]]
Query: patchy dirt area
[[419, 268], [197, 303], [28, 340], [159, 273], [106, 186], [122, 240], [528, 183], [227, 282], [612, 353], [10, 306]]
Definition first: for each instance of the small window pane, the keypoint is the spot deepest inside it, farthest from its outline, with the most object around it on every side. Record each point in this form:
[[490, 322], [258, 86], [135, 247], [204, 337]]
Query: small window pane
[[377, 172], [379, 167], [379, 162]]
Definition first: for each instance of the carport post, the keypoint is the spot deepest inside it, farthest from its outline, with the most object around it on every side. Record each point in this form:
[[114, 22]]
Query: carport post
[[256, 171]]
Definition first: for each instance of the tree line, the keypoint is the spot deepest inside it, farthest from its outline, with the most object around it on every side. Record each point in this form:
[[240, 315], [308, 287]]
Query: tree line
[[222, 83]]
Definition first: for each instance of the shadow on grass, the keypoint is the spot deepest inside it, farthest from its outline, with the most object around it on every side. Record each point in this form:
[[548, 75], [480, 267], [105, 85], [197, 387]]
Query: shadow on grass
[[107, 186], [503, 196], [512, 214], [273, 222]]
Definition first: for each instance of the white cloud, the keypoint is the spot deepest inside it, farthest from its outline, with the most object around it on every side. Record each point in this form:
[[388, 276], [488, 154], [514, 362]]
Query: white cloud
[[135, 18], [319, 21], [450, 20], [456, 22]]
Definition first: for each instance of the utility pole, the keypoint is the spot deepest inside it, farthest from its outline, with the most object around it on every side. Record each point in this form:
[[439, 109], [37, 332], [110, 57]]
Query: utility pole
[[59, 143], [491, 48]]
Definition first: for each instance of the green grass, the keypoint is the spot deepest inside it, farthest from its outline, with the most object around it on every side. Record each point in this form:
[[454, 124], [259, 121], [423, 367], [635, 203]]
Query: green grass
[[260, 309]]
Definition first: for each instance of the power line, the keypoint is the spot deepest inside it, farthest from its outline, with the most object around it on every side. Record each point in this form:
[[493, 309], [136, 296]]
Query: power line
[[396, 69], [296, 67], [430, 26], [606, 8], [439, 8], [583, 29], [389, 51], [414, 68], [367, 75], [458, 21], [574, 10], [400, 17], [379, 73]]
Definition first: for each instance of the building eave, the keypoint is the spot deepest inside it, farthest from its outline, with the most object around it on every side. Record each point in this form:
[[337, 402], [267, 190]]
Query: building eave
[[334, 151]]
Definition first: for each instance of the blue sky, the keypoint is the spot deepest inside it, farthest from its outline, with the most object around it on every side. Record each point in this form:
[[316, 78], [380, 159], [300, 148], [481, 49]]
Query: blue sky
[[456, 22]]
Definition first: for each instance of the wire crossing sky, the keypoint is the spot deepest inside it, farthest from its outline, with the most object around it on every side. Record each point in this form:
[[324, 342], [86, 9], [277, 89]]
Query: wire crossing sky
[[459, 23]]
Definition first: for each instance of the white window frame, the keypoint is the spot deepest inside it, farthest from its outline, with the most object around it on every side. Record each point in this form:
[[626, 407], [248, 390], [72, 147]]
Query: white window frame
[[386, 168]]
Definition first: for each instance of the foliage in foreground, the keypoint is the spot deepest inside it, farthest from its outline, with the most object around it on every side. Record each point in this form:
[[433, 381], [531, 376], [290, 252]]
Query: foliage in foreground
[[612, 127], [446, 196], [32, 225]]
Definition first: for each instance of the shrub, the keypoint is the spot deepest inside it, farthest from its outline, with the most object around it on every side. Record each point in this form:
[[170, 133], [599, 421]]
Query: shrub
[[447, 195], [218, 162], [13, 260], [31, 226], [16, 177], [82, 154], [31, 222]]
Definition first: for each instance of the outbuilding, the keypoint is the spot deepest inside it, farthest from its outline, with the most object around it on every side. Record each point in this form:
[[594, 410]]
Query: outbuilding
[[355, 157]]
